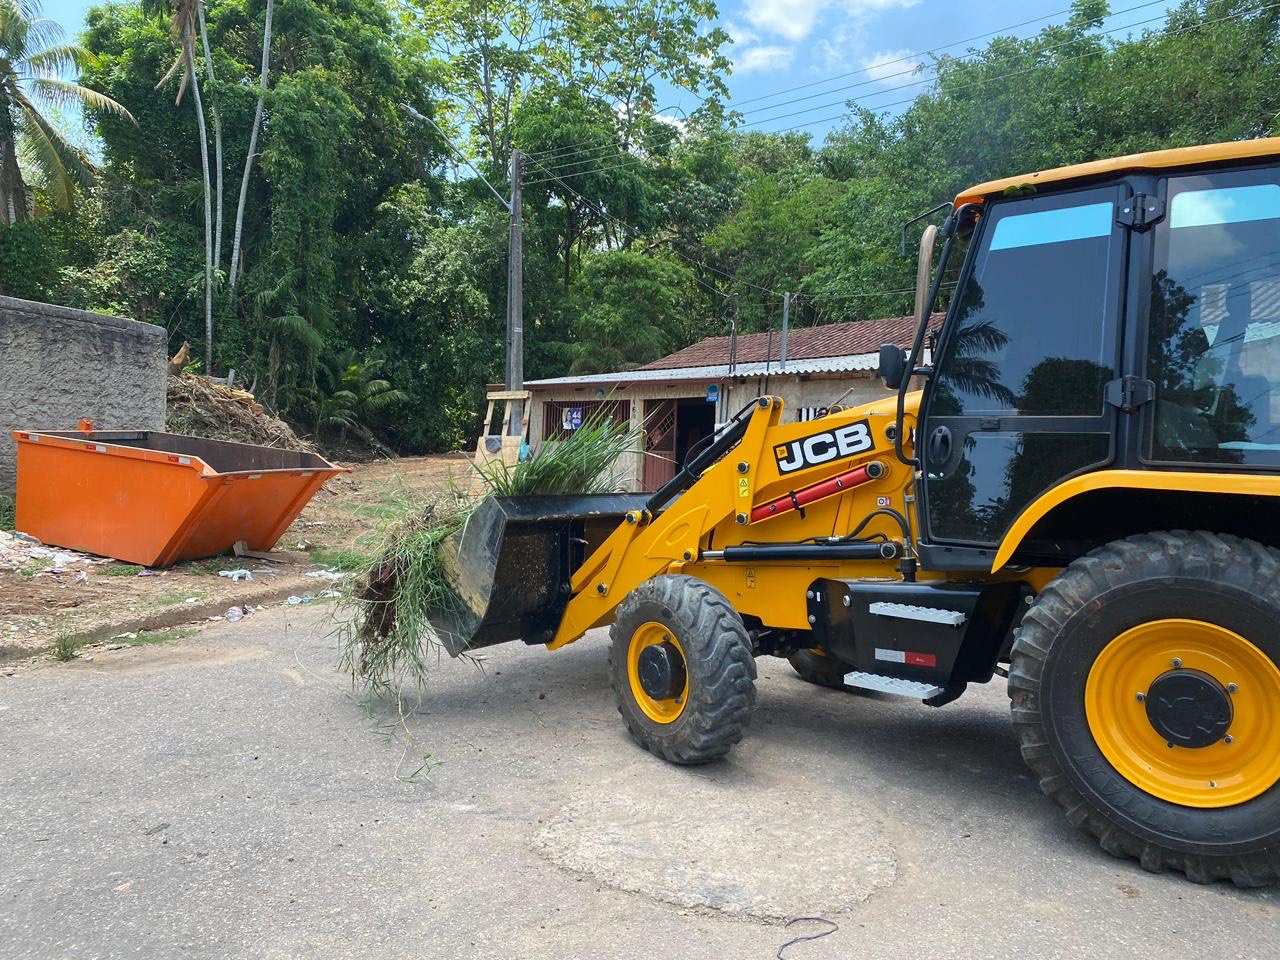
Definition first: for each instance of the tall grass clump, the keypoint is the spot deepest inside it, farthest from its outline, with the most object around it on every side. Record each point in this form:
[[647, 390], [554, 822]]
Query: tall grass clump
[[386, 632]]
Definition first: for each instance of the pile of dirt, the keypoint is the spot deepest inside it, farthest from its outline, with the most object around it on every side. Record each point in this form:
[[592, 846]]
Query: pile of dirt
[[199, 407]]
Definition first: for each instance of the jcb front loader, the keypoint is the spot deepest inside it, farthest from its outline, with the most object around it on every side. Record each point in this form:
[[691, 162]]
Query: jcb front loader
[[1084, 497]]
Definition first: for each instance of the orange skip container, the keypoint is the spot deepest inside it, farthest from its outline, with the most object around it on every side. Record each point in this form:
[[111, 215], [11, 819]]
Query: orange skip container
[[157, 498]]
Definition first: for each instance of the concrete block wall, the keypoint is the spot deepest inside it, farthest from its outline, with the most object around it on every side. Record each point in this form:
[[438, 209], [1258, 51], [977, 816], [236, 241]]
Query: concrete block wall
[[58, 365]]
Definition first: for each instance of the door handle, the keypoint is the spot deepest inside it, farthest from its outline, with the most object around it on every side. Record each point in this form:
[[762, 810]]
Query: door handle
[[938, 451]]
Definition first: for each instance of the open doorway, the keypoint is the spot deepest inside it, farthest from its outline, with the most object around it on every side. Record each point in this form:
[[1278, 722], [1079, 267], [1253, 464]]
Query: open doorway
[[695, 421], [671, 429]]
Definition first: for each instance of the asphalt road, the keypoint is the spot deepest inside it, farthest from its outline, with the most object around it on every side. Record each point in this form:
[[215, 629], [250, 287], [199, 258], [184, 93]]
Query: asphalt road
[[227, 797]]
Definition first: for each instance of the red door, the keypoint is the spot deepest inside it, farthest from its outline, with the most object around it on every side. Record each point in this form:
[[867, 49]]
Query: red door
[[659, 443]]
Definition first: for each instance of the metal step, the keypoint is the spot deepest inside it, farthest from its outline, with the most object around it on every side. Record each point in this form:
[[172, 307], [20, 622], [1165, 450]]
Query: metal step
[[907, 611], [902, 688]]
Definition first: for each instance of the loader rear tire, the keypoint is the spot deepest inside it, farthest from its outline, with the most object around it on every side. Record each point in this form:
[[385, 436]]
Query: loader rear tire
[[704, 645], [1158, 638], [818, 669]]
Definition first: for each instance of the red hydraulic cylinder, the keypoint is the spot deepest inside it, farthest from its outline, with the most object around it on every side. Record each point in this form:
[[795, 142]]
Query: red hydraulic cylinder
[[819, 491]]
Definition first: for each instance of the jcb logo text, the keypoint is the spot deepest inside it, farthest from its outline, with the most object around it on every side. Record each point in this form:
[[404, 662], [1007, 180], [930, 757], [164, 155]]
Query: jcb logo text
[[824, 447]]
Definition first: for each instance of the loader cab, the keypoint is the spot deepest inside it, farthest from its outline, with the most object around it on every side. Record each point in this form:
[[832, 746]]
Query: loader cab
[[1127, 322]]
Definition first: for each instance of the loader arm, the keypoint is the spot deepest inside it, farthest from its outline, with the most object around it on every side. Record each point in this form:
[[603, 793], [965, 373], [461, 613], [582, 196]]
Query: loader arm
[[732, 498]]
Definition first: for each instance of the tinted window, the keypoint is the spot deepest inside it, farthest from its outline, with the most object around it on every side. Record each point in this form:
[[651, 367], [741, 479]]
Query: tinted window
[[998, 474], [1214, 341], [1032, 330]]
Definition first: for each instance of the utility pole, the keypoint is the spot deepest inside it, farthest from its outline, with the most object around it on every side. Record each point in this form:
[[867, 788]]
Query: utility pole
[[515, 298], [733, 337], [786, 320]]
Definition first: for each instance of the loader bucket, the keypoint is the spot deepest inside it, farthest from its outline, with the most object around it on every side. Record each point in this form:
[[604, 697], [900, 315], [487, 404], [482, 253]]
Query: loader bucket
[[509, 568]]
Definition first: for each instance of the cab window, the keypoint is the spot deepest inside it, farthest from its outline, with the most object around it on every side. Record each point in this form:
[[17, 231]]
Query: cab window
[[1214, 331], [1032, 332]]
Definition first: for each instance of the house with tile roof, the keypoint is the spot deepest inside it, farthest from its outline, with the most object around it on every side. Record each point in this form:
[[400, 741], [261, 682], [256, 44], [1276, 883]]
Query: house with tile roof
[[679, 399]]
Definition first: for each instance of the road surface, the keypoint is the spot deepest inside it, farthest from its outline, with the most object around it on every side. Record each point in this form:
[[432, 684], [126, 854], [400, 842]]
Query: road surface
[[227, 796]]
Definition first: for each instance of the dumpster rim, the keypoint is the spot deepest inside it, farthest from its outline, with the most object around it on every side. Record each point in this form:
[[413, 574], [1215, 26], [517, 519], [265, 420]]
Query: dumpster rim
[[197, 464]]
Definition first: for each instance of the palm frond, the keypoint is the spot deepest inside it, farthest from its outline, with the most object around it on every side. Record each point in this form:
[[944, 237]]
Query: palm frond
[[60, 162], [42, 33], [53, 61], [296, 328], [65, 93], [385, 398]]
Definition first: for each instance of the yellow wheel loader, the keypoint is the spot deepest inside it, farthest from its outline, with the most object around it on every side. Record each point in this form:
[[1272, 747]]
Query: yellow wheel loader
[[1075, 485]]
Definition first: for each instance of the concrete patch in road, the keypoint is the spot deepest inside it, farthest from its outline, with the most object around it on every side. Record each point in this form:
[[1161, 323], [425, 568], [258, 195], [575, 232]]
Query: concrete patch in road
[[687, 839]]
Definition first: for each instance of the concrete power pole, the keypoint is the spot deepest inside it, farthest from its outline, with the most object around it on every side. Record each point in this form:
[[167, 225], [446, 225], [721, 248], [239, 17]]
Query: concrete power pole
[[515, 297], [786, 322]]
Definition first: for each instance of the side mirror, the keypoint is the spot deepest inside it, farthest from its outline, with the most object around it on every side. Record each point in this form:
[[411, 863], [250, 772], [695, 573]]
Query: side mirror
[[893, 365]]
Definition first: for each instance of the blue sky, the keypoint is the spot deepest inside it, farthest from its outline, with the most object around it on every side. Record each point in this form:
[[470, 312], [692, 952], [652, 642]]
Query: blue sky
[[781, 44]]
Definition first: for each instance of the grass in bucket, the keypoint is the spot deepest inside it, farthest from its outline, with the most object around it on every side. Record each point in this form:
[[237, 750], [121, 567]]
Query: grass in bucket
[[385, 631]]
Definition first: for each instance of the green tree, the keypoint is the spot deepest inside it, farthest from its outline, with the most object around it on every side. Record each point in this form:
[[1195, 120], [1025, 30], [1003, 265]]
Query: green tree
[[631, 311], [33, 62], [493, 55]]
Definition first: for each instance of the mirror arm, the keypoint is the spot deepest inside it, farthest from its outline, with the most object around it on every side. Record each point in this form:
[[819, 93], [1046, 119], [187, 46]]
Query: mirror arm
[[924, 310]]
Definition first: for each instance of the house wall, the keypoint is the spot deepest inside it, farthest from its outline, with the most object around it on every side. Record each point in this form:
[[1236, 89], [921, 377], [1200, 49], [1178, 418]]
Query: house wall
[[58, 365], [797, 393]]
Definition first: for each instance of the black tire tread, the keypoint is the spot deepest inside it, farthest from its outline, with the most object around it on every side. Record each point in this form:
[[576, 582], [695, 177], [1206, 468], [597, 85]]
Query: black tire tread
[[1189, 553], [822, 671], [718, 649]]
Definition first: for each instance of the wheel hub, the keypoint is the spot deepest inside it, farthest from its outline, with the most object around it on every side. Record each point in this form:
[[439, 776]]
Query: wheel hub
[[1189, 708], [662, 671], [1187, 711]]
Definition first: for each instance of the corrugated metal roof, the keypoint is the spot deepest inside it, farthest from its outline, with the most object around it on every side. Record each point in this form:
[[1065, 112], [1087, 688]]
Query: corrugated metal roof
[[846, 339], [714, 372]]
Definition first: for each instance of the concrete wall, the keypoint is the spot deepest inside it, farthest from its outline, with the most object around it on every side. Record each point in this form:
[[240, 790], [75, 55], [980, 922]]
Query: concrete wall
[[58, 365], [797, 393]]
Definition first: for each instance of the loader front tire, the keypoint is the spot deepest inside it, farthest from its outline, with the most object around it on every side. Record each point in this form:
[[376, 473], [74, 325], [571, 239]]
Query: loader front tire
[[1145, 682], [682, 669]]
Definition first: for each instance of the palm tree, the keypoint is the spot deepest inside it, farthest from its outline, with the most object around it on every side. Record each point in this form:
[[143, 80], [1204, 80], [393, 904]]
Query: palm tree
[[186, 19], [253, 147], [33, 61]]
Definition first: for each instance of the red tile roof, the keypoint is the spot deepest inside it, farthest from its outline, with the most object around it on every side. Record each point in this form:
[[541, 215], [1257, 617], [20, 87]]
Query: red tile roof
[[803, 343]]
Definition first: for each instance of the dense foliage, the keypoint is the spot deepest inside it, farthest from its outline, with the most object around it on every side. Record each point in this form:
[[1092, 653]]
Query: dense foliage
[[372, 282]]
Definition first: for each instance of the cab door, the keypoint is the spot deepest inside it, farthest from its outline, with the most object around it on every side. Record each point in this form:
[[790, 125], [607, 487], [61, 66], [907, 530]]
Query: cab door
[[1017, 401]]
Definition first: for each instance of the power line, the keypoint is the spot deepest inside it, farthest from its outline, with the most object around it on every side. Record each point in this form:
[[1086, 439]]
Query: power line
[[916, 83], [916, 68], [635, 234], [573, 149], [1006, 76], [977, 83], [932, 79], [458, 153]]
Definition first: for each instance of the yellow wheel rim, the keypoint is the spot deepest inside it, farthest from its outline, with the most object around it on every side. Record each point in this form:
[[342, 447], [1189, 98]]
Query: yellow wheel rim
[[1238, 767], [652, 634]]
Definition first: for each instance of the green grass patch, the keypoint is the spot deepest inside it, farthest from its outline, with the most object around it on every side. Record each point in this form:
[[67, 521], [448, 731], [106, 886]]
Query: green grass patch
[[121, 570], [345, 561], [7, 513], [172, 598], [65, 647]]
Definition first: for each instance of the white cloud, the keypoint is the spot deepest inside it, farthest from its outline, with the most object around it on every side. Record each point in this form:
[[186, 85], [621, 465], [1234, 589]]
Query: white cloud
[[795, 19], [681, 125], [860, 7], [892, 67], [766, 57], [742, 35]]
